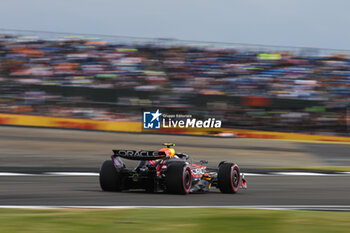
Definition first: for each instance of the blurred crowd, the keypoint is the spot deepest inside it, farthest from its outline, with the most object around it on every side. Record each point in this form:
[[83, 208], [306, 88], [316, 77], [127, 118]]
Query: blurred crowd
[[172, 71]]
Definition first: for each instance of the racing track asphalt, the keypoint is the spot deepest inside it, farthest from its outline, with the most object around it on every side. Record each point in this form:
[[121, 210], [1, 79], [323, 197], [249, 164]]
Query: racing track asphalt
[[28, 149], [262, 190]]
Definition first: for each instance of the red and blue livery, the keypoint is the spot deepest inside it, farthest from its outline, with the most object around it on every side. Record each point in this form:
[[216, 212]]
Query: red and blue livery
[[167, 171]]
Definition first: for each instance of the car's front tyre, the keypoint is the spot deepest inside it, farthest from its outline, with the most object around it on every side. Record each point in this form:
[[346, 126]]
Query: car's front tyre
[[229, 178]]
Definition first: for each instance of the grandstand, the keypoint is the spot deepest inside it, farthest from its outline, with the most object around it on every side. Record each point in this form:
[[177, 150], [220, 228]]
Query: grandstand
[[113, 78]]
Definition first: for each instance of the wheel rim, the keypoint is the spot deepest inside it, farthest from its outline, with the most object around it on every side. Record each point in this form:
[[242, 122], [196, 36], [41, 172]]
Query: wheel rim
[[187, 179], [235, 178]]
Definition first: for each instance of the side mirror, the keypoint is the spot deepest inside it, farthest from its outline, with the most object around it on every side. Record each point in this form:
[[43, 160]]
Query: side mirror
[[182, 155]]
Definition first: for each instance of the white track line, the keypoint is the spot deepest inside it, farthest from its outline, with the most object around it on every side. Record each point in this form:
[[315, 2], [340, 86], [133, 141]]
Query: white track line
[[71, 173], [16, 174], [246, 174], [256, 174], [299, 174], [269, 207]]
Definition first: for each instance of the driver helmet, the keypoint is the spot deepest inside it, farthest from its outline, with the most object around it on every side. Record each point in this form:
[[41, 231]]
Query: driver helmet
[[168, 151]]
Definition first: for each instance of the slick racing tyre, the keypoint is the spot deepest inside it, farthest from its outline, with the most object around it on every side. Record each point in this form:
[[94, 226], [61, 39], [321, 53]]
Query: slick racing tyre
[[109, 178], [229, 178], [178, 178]]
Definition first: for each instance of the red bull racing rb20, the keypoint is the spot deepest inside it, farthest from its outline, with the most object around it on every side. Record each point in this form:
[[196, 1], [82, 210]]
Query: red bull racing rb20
[[167, 171]]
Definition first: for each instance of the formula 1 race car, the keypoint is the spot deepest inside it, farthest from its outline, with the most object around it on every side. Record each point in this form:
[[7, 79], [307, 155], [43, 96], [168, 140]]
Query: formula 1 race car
[[167, 171]]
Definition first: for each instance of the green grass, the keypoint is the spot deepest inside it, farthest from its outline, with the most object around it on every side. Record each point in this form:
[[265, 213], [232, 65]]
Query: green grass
[[316, 168], [172, 220]]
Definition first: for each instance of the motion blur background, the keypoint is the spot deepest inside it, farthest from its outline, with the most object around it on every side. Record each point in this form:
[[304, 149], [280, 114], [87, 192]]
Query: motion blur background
[[283, 73], [164, 63], [110, 78]]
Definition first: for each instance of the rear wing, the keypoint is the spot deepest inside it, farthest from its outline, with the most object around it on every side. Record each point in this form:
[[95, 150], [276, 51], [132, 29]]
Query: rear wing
[[139, 155]]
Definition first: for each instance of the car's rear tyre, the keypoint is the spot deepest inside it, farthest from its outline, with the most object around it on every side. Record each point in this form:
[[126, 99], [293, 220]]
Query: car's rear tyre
[[110, 179], [178, 178], [229, 178]]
